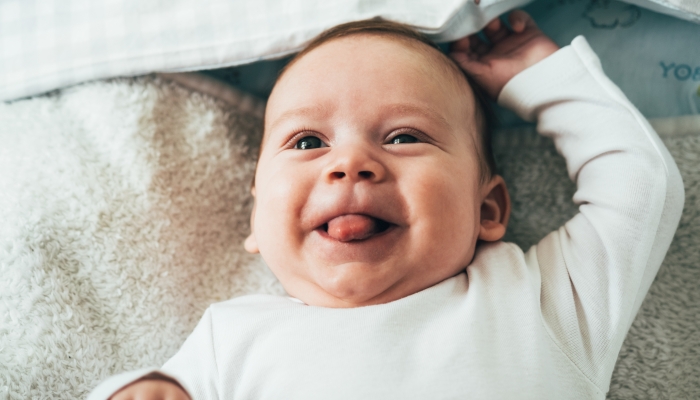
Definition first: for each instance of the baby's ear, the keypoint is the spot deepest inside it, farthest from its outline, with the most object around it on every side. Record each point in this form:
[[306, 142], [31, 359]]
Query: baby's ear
[[251, 244], [495, 210]]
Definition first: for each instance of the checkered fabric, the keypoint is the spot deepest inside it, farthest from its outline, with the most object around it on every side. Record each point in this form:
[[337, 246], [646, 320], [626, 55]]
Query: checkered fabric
[[48, 44]]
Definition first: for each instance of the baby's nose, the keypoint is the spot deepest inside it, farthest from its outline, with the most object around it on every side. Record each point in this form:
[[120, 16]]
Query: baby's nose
[[361, 174], [355, 165]]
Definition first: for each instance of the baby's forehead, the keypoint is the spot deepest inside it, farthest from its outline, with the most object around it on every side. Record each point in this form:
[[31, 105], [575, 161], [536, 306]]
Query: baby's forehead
[[373, 54], [436, 63]]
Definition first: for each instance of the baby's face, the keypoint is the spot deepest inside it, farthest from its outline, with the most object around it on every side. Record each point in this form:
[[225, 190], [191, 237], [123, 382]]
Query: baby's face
[[367, 188]]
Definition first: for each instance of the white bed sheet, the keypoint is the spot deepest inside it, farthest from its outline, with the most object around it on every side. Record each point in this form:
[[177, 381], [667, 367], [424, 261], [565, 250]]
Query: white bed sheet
[[49, 44]]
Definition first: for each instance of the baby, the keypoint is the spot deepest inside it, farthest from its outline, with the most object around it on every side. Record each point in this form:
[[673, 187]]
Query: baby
[[378, 208]]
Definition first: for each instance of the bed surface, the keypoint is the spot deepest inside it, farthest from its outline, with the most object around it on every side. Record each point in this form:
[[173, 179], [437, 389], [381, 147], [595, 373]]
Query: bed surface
[[123, 220], [124, 202]]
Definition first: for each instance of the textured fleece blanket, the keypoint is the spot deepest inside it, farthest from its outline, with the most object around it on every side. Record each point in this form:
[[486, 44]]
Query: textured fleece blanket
[[124, 204]]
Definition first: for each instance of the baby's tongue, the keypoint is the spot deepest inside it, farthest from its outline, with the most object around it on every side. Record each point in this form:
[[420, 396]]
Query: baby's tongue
[[352, 227]]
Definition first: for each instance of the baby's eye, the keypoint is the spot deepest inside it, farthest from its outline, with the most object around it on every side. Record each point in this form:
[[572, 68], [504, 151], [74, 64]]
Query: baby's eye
[[403, 138], [308, 142]]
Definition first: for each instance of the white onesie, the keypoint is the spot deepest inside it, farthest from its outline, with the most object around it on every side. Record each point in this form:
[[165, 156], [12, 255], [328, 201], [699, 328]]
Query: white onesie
[[546, 324]]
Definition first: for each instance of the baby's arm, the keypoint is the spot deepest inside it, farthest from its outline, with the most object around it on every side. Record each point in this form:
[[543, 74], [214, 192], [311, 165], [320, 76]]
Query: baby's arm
[[595, 270]]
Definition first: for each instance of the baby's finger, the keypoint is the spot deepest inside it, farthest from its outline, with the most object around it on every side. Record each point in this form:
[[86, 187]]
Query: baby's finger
[[462, 44], [492, 26], [469, 63], [478, 46], [520, 20], [495, 31]]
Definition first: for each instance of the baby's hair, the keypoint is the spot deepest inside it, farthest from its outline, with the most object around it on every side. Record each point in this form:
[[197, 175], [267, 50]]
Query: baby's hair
[[483, 114]]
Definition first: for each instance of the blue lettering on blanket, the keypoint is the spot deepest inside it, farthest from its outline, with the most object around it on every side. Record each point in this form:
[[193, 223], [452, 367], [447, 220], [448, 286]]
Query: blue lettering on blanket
[[681, 72]]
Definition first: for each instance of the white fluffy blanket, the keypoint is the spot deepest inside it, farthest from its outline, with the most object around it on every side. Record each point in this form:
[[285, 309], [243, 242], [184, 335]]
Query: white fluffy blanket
[[124, 204]]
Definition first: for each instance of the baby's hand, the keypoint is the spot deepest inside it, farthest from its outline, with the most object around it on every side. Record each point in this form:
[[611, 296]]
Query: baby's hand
[[152, 387], [493, 65]]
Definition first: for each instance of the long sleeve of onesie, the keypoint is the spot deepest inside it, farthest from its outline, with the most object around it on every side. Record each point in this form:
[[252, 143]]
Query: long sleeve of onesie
[[597, 268], [543, 324], [194, 367]]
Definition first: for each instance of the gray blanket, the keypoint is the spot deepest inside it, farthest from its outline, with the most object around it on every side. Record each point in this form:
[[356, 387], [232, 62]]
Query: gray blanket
[[660, 358]]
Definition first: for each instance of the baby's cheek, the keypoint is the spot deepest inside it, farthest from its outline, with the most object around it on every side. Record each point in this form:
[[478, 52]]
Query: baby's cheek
[[277, 204], [454, 220]]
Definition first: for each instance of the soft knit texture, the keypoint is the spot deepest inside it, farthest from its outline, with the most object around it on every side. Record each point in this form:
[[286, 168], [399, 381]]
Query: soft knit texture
[[123, 205], [548, 323], [123, 209]]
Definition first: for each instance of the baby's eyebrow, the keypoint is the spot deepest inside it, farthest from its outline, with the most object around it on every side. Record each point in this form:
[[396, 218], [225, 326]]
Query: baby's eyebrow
[[315, 111], [411, 109], [320, 111]]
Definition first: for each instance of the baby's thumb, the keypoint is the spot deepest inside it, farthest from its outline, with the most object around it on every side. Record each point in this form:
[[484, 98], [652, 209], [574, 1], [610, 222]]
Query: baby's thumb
[[468, 63], [463, 44], [519, 20], [477, 70]]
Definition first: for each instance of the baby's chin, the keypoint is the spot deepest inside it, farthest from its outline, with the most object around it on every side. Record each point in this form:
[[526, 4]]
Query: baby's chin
[[355, 284]]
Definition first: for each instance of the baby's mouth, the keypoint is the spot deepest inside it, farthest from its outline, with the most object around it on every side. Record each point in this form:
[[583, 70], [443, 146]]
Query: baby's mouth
[[351, 227]]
